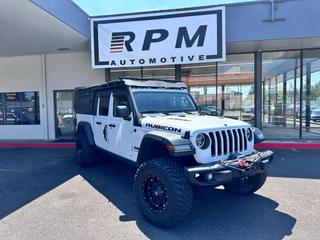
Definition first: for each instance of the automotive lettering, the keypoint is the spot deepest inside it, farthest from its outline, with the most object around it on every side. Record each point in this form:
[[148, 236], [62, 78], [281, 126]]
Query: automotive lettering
[[184, 35], [161, 34]]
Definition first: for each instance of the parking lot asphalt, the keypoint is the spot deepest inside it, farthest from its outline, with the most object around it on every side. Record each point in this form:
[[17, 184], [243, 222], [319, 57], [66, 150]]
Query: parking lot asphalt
[[45, 195]]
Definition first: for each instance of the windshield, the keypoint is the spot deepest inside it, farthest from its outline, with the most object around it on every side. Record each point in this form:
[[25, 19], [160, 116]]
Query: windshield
[[163, 102]]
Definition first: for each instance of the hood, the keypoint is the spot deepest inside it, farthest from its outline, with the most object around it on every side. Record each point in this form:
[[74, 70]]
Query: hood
[[189, 122]]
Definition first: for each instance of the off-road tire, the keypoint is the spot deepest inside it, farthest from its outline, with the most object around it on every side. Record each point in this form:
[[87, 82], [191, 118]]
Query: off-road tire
[[178, 191], [85, 153], [247, 186]]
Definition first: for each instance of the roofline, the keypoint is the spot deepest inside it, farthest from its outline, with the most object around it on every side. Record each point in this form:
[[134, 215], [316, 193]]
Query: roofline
[[76, 5], [79, 22], [180, 9], [249, 2]]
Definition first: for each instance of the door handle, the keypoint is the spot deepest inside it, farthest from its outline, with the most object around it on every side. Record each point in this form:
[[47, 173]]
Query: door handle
[[99, 123], [105, 134], [112, 125]]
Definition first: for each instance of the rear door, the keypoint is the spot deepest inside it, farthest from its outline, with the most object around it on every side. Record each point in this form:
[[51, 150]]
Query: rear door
[[102, 120]]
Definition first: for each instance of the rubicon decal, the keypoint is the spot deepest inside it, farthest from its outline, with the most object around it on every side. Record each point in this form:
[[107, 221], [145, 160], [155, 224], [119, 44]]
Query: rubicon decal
[[161, 127], [179, 37]]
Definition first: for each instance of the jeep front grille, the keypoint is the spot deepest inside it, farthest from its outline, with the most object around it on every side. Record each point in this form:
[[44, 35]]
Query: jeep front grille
[[228, 141]]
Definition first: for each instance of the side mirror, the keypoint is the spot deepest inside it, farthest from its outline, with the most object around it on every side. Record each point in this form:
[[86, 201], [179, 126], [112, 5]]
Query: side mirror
[[123, 111]]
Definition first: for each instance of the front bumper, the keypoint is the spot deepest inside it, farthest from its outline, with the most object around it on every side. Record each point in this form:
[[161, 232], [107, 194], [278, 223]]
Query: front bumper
[[228, 171]]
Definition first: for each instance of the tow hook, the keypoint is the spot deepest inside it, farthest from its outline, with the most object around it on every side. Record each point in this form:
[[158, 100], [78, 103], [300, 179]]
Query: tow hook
[[231, 166], [243, 163]]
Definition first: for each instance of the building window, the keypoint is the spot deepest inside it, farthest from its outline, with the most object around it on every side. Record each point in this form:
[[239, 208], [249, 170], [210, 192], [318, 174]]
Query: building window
[[311, 94], [157, 72], [236, 87], [160, 72], [281, 94], [116, 73], [223, 89], [19, 108], [202, 82]]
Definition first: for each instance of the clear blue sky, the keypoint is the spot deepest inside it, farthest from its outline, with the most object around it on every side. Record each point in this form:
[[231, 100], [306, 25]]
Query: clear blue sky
[[105, 7]]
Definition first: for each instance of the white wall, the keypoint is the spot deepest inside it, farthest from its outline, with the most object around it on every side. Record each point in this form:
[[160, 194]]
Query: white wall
[[66, 71], [19, 74], [62, 71]]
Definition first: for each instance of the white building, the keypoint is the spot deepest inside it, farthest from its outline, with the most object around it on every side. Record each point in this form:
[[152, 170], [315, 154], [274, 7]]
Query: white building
[[42, 58]]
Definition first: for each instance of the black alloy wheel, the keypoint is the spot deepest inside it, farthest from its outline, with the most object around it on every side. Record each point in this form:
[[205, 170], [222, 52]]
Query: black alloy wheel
[[162, 191], [155, 193]]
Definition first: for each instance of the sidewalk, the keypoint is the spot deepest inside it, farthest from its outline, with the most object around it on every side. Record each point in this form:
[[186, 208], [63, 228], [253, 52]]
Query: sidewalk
[[288, 145]]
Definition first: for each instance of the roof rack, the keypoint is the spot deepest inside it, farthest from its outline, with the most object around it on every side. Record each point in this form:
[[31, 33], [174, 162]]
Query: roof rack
[[148, 79], [153, 83], [139, 83]]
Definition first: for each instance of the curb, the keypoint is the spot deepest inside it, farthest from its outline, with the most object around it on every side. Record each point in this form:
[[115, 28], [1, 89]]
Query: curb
[[288, 145], [264, 145]]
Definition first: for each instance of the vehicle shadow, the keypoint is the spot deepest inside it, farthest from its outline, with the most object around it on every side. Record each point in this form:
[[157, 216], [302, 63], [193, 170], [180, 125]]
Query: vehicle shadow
[[216, 214], [26, 174]]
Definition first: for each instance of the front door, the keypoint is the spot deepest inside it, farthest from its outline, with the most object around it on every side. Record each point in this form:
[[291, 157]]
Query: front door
[[121, 131]]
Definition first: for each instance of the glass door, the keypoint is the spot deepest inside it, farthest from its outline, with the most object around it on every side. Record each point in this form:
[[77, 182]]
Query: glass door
[[64, 114]]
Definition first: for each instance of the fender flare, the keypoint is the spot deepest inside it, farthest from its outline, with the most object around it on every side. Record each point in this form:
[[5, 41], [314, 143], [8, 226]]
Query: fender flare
[[85, 127], [174, 143]]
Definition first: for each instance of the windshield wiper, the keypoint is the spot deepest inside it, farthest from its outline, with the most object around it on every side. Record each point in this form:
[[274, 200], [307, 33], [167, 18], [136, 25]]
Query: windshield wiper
[[190, 112], [151, 112], [170, 112], [183, 111]]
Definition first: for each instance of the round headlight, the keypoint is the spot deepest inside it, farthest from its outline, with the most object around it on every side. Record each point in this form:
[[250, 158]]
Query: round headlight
[[249, 134], [258, 135], [202, 141]]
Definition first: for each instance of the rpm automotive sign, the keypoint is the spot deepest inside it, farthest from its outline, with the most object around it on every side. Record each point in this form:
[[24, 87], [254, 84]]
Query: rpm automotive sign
[[179, 37]]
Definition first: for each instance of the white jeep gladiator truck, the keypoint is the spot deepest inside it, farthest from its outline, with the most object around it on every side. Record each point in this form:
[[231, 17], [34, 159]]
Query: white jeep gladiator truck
[[155, 124]]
